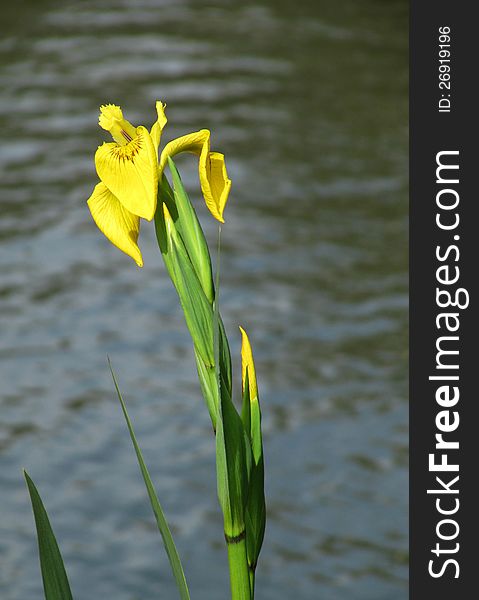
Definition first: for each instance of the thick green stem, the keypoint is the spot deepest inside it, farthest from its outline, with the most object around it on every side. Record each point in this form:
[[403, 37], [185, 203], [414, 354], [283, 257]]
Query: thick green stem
[[239, 571]]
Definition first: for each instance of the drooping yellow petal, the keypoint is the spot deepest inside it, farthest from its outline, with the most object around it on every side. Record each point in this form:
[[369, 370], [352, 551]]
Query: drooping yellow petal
[[247, 362], [111, 119], [192, 142], [159, 124], [214, 180], [215, 183], [131, 172], [119, 225]]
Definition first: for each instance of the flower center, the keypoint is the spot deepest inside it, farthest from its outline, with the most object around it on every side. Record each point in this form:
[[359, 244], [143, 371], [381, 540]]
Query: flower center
[[128, 151]]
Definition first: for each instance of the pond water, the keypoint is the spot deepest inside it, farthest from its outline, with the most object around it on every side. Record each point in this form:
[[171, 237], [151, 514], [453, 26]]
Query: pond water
[[308, 100]]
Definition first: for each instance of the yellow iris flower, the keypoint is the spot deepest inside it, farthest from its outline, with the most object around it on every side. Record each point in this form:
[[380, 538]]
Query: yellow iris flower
[[129, 171]]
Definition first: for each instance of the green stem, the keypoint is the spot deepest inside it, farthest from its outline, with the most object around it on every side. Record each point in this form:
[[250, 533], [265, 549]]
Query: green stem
[[251, 582], [239, 571]]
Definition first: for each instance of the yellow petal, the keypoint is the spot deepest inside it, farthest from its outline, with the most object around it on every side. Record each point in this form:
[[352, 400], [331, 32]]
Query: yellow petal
[[247, 362], [131, 173], [192, 142], [119, 225], [215, 183], [111, 119], [214, 180], [159, 125]]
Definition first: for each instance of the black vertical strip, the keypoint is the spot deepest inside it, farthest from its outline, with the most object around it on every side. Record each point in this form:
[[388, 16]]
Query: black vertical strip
[[444, 545]]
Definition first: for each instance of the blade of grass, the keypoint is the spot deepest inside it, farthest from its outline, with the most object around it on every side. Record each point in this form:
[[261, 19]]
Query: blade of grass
[[168, 542], [55, 580]]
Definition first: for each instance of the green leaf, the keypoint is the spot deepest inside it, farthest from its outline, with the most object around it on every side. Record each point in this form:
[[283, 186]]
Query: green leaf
[[256, 435], [233, 466], [184, 250], [224, 357], [256, 506], [168, 542], [233, 451], [196, 307], [206, 369], [55, 580], [255, 514], [192, 234], [209, 379], [246, 406], [209, 387]]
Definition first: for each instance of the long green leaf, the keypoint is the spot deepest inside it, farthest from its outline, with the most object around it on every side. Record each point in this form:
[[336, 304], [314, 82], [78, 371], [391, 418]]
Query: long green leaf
[[196, 307], [233, 450], [190, 230], [187, 259], [233, 466], [209, 387], [233, 463], [55, 580], [168, 542], [246, 406], [255, 515]]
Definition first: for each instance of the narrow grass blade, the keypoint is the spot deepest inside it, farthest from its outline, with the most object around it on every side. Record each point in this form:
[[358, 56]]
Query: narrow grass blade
[[55, 580], [168, 542]]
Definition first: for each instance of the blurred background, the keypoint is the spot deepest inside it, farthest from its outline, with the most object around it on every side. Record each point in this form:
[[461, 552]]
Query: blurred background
[[308, 100]]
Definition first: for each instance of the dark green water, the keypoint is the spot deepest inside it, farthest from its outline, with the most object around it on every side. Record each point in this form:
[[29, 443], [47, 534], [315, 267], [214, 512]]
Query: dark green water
[[308, 102]]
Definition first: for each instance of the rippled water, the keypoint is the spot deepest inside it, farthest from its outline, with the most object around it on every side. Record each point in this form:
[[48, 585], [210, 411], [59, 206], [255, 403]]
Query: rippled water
[[308, 102]]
